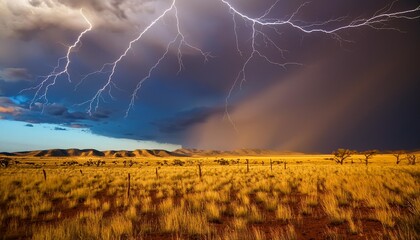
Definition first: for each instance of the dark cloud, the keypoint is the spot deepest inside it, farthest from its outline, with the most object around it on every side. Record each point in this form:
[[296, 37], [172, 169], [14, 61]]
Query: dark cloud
[[76, 115], [8, 107], [142, 137], [100, 114], [18, 109], [35, 3], [55, 109], [185, 119], [63, 112], [15, 74], [29, 125], [60, 129], [5, 101]]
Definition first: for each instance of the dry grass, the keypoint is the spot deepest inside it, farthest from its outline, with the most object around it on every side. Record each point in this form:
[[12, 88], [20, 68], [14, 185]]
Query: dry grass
[[181, 220], [340, 201], [284, 212]]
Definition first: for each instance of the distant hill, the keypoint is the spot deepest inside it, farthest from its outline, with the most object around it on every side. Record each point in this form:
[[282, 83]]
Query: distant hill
[[238, 152], [143, 153], [94, 153]]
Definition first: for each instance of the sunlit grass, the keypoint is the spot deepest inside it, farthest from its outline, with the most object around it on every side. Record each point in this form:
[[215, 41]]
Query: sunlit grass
[[226, 203]]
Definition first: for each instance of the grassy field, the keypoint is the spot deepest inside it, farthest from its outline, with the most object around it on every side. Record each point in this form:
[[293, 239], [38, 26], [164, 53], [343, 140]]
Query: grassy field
[[309, 197]]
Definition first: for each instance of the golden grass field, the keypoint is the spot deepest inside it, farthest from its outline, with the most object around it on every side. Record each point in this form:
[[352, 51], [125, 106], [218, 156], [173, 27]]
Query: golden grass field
[[311, 197]]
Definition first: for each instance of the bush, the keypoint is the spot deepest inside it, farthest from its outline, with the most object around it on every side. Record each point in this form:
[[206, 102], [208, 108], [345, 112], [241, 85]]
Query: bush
[[178, 162]]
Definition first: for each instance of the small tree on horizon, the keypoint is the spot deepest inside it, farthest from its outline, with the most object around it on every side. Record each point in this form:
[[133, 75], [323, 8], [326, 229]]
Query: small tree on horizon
[[411, 159], [341, 155], [368, 155], [397, 155]]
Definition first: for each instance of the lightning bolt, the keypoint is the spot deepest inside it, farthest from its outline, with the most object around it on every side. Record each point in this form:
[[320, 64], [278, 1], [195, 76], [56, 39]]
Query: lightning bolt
[[94, 101], [258, 27], [377, 21], [181, 42], [41, 92], [179, 39]]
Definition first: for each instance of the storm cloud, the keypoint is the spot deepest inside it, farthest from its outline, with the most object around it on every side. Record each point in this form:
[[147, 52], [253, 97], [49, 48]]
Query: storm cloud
[[184, 120], [15, 74], [358, 89], [26, 19]]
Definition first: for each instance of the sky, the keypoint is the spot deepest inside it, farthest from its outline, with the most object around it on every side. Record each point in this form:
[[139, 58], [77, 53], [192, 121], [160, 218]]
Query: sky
[[221, 74]]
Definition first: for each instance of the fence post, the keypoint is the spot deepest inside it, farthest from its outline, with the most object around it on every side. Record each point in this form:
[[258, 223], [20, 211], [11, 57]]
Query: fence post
[[285, 164], [128, 187], [247, 165], [157, 173], [45, 174], [271, 165], [199, 171]]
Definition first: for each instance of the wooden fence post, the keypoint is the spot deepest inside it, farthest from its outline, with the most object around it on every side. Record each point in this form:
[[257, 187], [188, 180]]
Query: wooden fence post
[[199, 171], [45, 174], [271, 165], [157, 173], [247, 165], [285, 164], [128, 187]]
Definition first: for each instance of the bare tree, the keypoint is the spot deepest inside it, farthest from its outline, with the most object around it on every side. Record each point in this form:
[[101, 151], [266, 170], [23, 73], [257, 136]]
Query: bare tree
[[411, 159], [341, 155], [397, 155], [368, 155]]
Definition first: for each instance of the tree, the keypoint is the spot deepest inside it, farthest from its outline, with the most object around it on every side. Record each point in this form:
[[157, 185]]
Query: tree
[[368, 155], [397, 155], [411, 159], [341, 155]]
